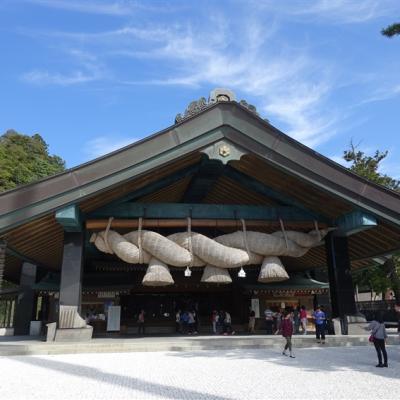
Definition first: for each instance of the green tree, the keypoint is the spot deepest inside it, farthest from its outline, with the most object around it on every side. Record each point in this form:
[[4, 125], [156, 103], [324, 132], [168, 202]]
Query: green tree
[[24, 159], [373, 278], [391, 30], [368, 167]]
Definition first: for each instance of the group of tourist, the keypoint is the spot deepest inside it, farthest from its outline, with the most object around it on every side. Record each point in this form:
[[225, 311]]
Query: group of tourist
[[186, 322], [288, 322], [222, 323], [285, 324], [299, 318]]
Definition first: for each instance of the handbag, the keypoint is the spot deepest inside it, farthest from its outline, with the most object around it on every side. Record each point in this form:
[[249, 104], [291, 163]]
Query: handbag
[[371, 339]]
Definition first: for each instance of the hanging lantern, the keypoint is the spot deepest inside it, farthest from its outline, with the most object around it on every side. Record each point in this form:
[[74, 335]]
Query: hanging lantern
[[242, 273]]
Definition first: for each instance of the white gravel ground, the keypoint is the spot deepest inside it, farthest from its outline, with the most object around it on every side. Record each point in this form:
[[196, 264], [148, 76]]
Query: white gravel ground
[[317, 373]]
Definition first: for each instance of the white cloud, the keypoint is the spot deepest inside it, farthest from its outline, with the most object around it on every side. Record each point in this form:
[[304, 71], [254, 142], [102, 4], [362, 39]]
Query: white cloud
[[89, 70], [381, 94], [334, 11], [47, 78], [289, 84], [102, 145], [116, 8]]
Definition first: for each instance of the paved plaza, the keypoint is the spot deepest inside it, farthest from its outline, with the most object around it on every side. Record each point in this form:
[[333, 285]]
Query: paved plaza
[[315, 373]]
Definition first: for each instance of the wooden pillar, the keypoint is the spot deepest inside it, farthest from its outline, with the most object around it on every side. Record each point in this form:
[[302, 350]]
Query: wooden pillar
[[340, 279], [71, 270], [25, 300]]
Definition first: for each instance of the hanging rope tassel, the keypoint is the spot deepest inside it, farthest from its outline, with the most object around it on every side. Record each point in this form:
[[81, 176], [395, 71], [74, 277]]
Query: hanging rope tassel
[[284, 232], [140, 240], [106, 234], [318, 232], [242, 273], [189, 220], [188, 272], [246, 245]]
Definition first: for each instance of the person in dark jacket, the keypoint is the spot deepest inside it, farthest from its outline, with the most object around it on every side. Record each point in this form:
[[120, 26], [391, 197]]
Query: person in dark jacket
[[286, 329]]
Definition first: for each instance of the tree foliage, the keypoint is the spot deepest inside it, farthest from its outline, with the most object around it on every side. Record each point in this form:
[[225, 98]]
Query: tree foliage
[[368, 166], [387, 276], [24, 159], [391, 30], [373, 278]]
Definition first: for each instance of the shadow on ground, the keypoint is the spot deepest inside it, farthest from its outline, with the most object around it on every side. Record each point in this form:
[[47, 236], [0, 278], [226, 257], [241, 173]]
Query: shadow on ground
[[95, 374]]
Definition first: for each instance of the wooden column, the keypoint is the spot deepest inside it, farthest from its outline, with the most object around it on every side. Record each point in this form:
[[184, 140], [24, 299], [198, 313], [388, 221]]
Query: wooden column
[[340, 279], [71, 270], [26, 299]]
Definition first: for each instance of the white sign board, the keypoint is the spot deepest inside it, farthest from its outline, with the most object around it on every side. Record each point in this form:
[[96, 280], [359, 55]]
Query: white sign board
[[113, 318], [255, 306]]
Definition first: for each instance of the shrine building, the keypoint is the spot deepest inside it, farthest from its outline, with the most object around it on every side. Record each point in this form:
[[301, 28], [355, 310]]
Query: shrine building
[[219, 211]]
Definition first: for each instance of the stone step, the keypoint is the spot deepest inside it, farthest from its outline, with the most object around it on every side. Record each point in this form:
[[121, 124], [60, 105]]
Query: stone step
[[175, 343]]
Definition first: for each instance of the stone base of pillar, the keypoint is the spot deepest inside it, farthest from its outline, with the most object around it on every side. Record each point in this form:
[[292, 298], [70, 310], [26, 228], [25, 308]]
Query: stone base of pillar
[[356, 324], [350, 325], [6, 331], [74, 334], [71, 327], [337, 326]]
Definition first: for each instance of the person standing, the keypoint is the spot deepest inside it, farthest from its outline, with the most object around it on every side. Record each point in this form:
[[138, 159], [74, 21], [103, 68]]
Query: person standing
[[286, 329], [221, 322], [228, 324], [252, 321], [303, 319], [319, 320], [296, 320], [140, 322], [278, 320], [269, 319], [214, 320], [378, 335], [184, 322], [191, 323], [178, 322]]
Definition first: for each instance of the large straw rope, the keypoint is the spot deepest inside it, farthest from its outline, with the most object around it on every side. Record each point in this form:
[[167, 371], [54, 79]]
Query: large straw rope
[[194, 249], [187, 249]]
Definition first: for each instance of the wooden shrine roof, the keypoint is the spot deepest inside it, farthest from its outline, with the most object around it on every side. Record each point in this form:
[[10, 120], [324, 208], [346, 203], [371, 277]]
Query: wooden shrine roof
[[270, 158]]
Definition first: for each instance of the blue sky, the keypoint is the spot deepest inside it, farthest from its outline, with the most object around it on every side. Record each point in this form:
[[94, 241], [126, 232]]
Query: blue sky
[[92, 76]]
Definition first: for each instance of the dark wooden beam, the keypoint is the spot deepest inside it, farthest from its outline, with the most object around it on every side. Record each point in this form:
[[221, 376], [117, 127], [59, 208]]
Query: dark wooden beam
[[201, 211], [203, 181], [100, 224], [15, 253], [354, 222], [70, 218], [253, 184], [155, 186]]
